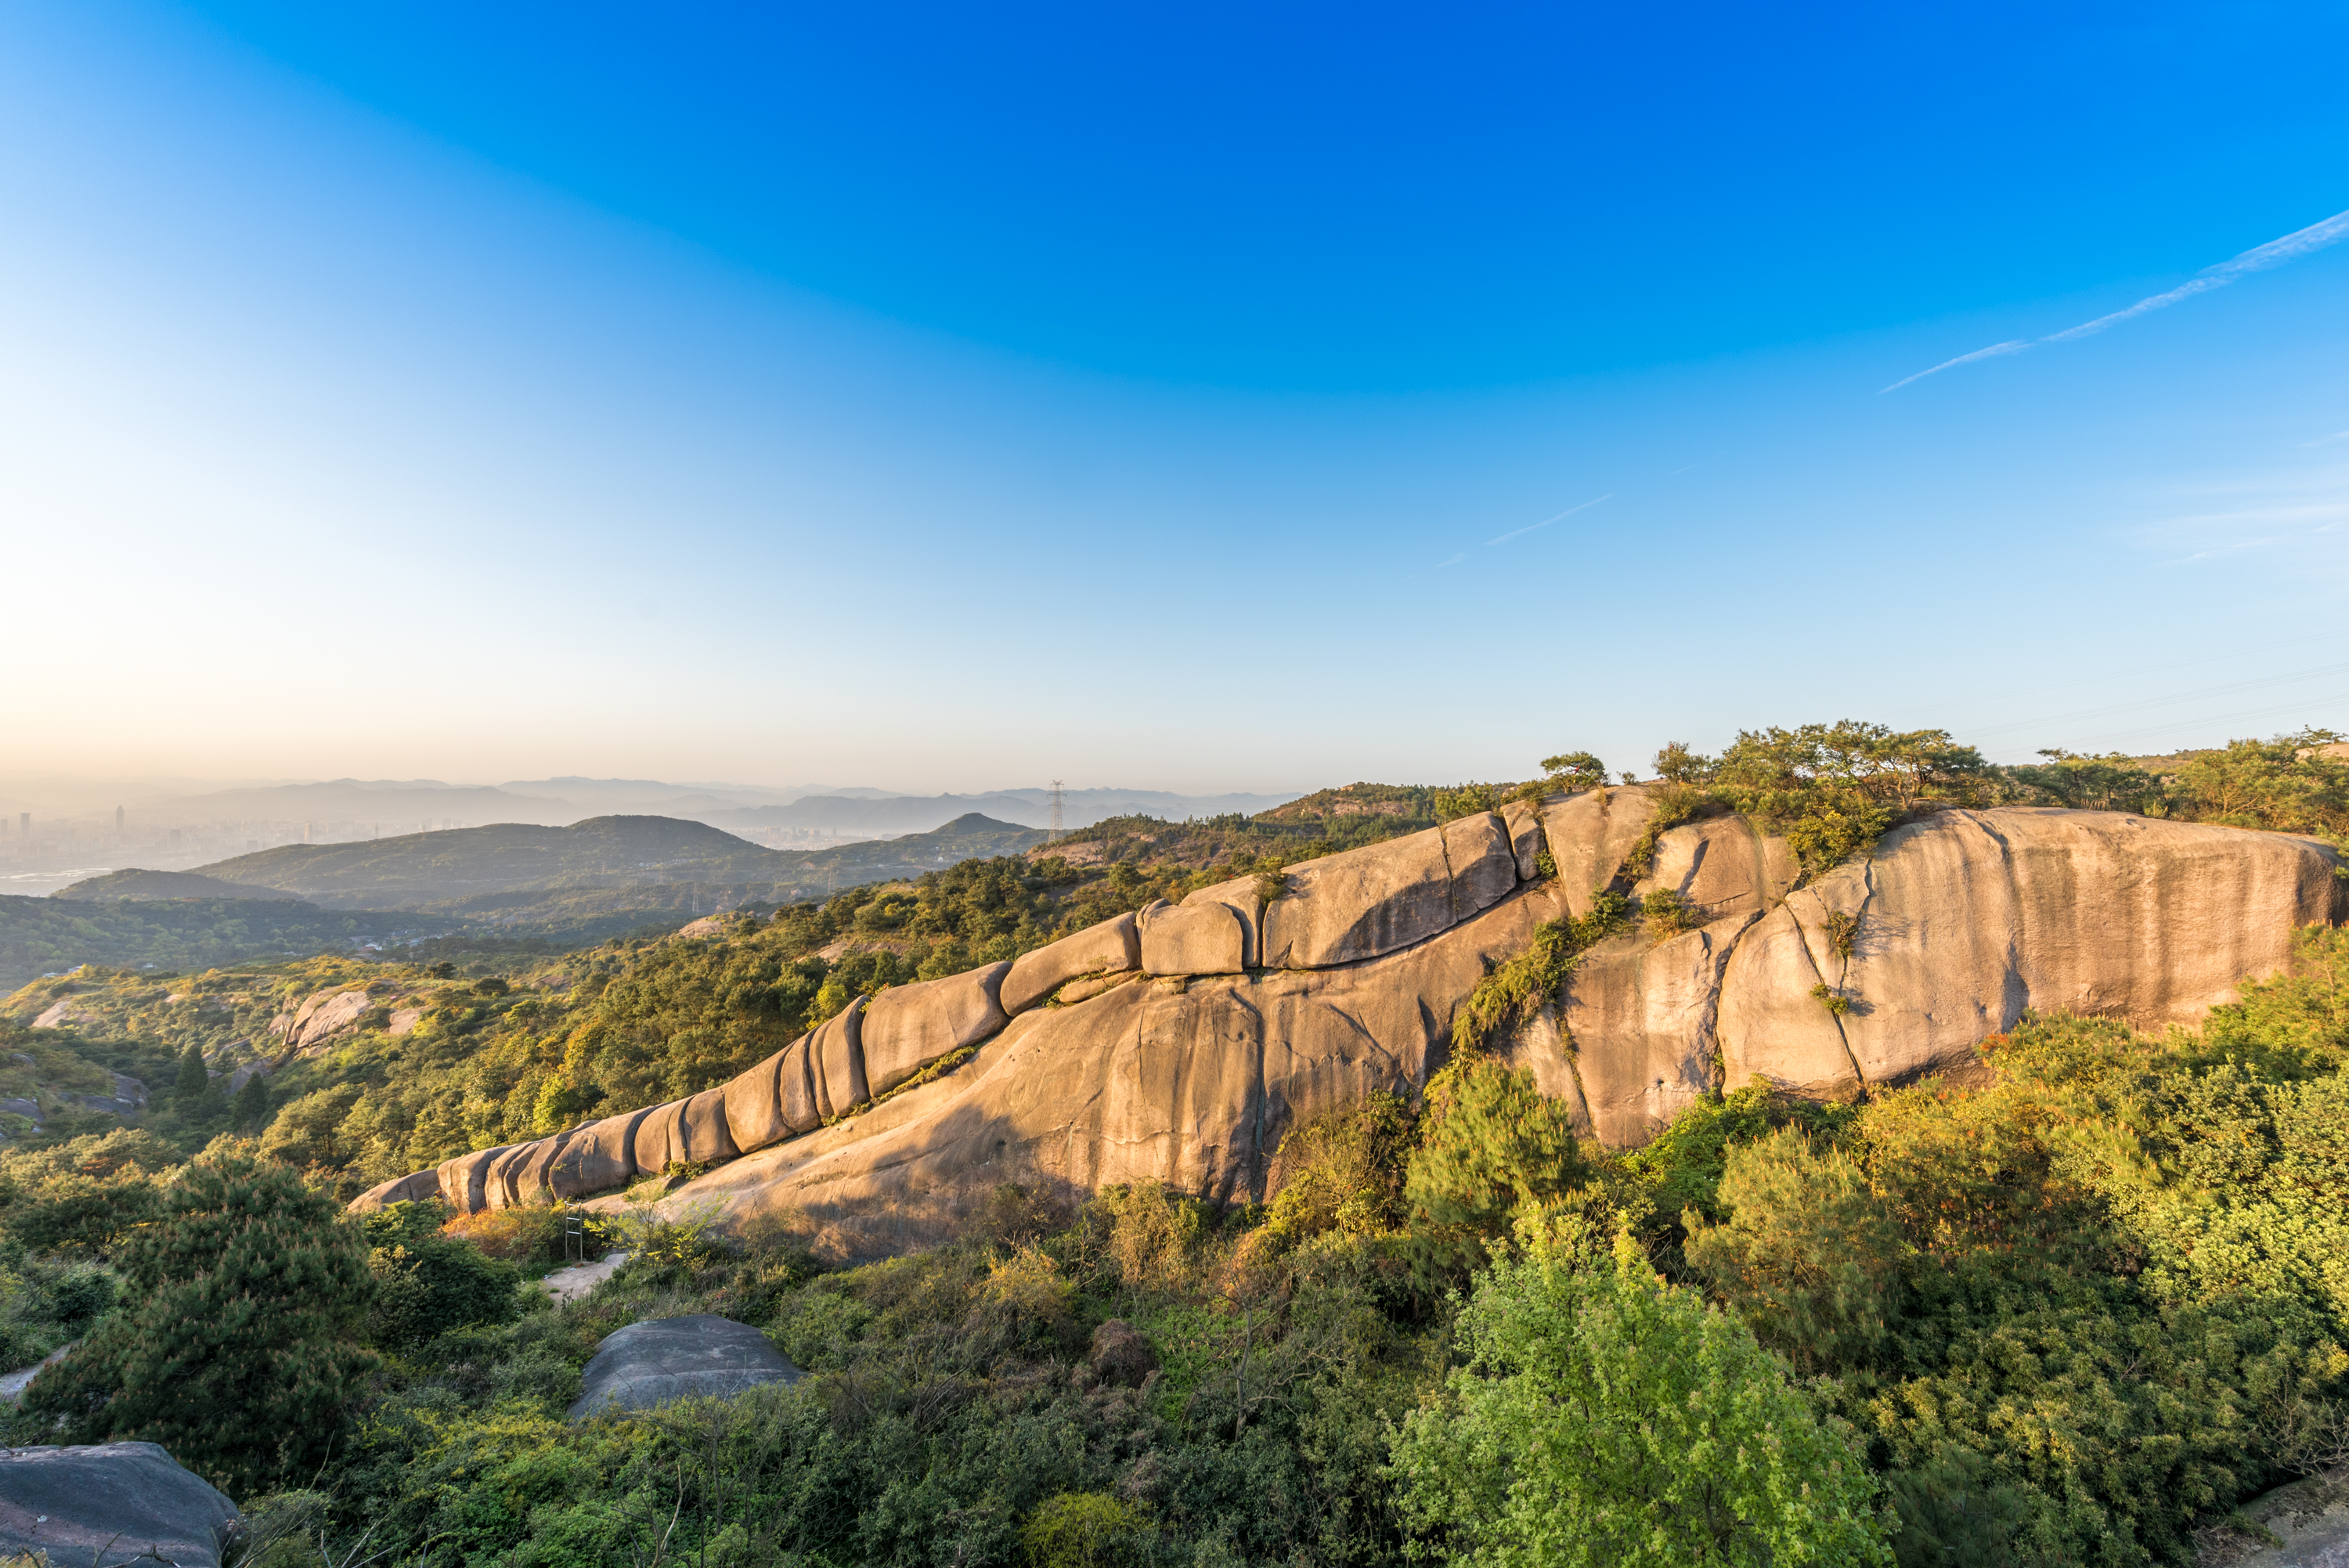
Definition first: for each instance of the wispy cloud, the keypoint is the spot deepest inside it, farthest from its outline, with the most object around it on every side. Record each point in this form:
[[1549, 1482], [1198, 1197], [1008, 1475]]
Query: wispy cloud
[[2328, 440], [1454, 562], [2258, 258], [1545, 523]]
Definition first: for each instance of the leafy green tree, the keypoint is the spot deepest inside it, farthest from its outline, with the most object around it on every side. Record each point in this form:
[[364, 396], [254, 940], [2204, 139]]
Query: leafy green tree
[[236, 1350], [1084, 1530], [75, 1215], [1676, 764], [2108, 783], [1607, 1420], [2285, 785], [1810, 1256], [1574, 771], [428, 1282]]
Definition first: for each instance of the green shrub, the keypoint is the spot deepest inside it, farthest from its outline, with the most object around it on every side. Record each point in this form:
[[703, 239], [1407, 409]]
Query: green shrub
[[1084, 1530], [1490, 1143], [428, 1285]]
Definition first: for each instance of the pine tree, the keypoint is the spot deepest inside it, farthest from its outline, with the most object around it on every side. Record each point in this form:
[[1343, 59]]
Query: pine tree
[[237, 1348], [252, 1107], [190, 1087]]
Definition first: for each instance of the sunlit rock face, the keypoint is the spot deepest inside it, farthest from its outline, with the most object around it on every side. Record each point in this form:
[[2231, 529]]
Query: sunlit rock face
[[1181, 1043]]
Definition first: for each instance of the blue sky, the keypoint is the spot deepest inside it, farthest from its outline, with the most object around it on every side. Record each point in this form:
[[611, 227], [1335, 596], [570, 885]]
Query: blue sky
[[1239, 397]]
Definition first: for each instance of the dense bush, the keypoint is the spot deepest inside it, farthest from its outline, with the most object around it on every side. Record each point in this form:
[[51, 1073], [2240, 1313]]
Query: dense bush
[[236, 1345]]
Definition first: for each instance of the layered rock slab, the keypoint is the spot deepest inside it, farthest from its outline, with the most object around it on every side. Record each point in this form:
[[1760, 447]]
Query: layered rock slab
[[1192, 939], [907, 1028], [1381, 897], [1647, 1014], [1960, 923], [1590, 833], [1191, 1082], [1112, 946]]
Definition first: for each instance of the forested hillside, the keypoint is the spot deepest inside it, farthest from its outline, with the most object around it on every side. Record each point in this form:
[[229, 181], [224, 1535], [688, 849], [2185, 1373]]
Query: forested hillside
[[46, 935]]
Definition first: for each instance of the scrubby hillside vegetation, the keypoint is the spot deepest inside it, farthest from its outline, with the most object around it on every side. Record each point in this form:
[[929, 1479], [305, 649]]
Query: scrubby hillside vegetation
[[2072, 1310], [2071, 1316]]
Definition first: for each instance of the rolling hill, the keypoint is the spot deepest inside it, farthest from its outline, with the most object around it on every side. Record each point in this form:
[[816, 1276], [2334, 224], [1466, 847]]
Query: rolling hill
[[518, 875]]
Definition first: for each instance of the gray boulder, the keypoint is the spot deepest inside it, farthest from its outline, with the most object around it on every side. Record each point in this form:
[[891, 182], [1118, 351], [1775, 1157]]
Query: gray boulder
[[754, 1103], [109, 1503], [836, 1061], [1590, 833], [598, 1157], [647, 1365], [1192, 939]]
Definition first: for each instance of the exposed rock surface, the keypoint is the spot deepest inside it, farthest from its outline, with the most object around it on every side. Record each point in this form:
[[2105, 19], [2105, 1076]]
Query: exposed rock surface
[[323, 1016], [1243, 1017], [1192, 1082], [1193, 939], [1522, 819], [1647, 1012], [1590, 832], [1959, 924], [1111, 947], [648, 1365], [906, 1027], [399, 1190], [2309, 1519], [573, 1284], [1381, 897], [110, 1504]]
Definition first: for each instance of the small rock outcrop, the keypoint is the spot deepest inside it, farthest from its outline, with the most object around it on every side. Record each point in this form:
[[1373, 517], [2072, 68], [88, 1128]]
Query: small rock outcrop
[[648, 1365], [110, 1504]]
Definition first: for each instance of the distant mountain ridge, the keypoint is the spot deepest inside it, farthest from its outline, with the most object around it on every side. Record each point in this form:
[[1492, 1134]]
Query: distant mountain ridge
[[520, 874], [402, 806]]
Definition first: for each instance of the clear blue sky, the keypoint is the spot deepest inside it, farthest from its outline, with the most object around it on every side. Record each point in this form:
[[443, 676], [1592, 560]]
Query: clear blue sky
[[955, 398]]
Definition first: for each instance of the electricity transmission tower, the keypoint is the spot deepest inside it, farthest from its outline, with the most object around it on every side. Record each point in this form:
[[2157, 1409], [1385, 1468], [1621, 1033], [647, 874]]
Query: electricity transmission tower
[[1058, 798]]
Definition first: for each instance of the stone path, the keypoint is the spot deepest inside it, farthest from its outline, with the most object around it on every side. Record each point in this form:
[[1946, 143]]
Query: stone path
[[567, 1285], [13, 1384]]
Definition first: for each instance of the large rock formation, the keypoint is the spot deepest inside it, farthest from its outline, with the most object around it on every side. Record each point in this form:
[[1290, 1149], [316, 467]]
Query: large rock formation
[[1180, 1044]]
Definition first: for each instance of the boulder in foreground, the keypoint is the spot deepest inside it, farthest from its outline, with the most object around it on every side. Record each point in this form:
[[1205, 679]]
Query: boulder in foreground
[[109, 1503], [648, 1365]]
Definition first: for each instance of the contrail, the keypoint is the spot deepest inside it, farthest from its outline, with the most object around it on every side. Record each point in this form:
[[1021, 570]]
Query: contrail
[[1545, 523], [2258, 258]]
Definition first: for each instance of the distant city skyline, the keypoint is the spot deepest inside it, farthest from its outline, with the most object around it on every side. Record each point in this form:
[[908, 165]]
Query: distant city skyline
[[1259, 401]]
